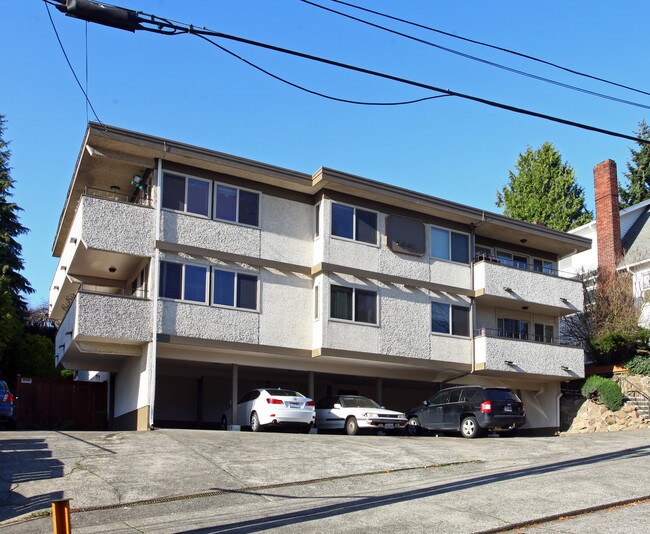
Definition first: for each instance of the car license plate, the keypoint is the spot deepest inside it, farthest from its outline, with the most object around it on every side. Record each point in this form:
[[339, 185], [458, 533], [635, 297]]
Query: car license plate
[[507, 408], [389, 426], [294, 405]]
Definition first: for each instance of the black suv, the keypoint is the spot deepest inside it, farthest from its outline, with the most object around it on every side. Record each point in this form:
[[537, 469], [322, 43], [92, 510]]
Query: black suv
[[7, 408], [470, 410]]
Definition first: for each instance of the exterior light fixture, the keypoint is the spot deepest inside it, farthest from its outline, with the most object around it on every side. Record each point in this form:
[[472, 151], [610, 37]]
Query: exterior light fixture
[[68, 333], [73, 240], [509, 362], [565, 368], [524, 308], [566, 301], [64, 268], [112, 269], [507, 289], [62, 346], [522, 241], [55, 288], [115, 188]]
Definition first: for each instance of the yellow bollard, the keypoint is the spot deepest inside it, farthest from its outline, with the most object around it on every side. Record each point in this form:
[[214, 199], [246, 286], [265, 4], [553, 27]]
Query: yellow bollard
[[61, 516]]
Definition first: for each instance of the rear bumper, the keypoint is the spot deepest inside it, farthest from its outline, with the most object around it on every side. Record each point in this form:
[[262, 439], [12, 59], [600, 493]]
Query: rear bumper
[[7, 413], [500, 422], [289, 417], [382, 422]]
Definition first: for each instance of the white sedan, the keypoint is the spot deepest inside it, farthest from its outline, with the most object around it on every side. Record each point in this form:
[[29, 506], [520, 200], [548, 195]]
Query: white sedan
[[275, 406], [353, 412]]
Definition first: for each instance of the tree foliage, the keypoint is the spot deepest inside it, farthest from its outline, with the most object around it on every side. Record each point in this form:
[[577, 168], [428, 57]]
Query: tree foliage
[[637, 188], [543, 190], [11, 262]]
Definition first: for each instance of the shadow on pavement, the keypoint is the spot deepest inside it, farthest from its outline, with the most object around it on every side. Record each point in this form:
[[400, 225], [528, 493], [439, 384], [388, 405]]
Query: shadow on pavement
[[366, 503], [23, 460]]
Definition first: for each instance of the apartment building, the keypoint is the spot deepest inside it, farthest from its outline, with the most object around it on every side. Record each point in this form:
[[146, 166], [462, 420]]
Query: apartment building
[[192, 276]]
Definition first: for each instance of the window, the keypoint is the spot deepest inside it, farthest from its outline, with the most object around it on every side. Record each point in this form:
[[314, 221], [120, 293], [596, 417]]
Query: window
[[183, 282], [238, 290], [513, 328], [449, 319], [317, 220], [359, 305], [191, 195], [449, 245], [543, 266], [354, 223], [544, 332], [512, 260], [236, 205], [316, 303]]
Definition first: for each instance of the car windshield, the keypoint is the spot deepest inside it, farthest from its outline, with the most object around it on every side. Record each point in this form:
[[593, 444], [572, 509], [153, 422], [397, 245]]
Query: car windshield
[[501, 394], [284, 393], [358, 402]]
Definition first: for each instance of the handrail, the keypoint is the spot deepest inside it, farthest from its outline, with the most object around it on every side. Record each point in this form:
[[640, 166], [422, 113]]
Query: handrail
[[495, 332], [524, 266], [119, 197], [634, 388]]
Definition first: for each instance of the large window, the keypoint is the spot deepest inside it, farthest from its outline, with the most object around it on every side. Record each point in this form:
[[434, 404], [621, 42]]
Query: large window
[[182, 193], [236, 205], [183, 281], [235, 289], [512, 260], [449, 319], [354, 223], [449, 245], [514, 328], [353, 304], [543, 266], [544, 332]]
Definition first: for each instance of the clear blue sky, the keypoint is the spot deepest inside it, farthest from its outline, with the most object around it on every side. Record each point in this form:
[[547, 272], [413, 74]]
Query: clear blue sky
[[184, 89]]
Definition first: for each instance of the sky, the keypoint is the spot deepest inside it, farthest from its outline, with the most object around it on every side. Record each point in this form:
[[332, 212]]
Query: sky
[[185, 89]]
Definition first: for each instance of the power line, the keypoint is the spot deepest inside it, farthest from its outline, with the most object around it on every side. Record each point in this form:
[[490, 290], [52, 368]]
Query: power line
[[478, 59], [129, 20], [310, 91], [88, 102], [494, 47]]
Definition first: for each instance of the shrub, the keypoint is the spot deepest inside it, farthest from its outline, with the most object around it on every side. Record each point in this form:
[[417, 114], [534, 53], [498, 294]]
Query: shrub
[[639, 365], [619, 346], [603, 391]]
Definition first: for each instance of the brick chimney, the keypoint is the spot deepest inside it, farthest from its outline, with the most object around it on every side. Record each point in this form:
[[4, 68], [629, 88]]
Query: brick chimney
[[608, 219]]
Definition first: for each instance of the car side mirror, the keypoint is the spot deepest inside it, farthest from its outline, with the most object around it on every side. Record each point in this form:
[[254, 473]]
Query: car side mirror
[[425, 402], [337, 406]]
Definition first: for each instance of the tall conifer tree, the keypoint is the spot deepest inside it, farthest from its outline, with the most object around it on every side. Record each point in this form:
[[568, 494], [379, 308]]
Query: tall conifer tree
[[637, 188]]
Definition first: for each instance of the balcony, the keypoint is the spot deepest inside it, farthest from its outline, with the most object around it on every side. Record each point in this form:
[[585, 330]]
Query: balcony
[[497, 351], [99, 323], [523, 286]]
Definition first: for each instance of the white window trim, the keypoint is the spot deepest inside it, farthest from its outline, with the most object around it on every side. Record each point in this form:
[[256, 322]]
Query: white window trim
[[207, 283], [234, 297], [187, 177], [316, 300], [318, 222], [354, 300], [449, 260], [377, 242], [451, 326], [236, 221]]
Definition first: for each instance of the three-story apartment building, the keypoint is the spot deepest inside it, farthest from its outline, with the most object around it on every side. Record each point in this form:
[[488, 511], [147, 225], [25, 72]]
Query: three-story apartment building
[[192, 276]]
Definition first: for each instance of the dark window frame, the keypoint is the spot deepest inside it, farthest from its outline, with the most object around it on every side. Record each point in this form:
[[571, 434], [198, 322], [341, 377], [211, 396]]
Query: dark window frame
[[184, 201], [236, 289], [450, 320], [182, 288], [355, 226], [237, 219], [450, 245], [353, 303]]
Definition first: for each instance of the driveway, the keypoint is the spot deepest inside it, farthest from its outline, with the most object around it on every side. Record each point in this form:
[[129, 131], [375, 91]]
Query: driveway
[[212, 481]]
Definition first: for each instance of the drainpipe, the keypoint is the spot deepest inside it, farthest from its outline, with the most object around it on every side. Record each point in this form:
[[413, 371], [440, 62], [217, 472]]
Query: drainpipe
[[472, 308], [153, 353]]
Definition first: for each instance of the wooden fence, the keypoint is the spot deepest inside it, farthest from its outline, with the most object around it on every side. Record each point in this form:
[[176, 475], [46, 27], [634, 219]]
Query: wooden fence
[[61, 404]]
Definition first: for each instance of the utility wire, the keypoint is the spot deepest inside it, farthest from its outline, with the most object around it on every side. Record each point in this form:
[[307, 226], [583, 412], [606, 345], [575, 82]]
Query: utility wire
[[494, 47], [88, 102], [478, 59], [292, 84]]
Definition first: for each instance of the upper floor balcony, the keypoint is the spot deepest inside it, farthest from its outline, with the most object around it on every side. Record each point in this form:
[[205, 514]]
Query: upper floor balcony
[[522, 285]]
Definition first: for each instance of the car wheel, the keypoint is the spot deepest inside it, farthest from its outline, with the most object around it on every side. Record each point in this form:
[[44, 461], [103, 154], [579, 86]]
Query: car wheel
[[224, 423], [413, 427], [469, 427], [351, 426], [255, 422]]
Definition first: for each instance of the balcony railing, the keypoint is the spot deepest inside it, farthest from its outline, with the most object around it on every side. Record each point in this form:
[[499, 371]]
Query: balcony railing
[[138, 198], [524, 266], [495, 332]]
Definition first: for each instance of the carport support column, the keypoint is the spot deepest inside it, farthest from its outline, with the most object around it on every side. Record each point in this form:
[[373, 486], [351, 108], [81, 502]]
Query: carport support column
[[310, 385], [380, 387], [235, 394]]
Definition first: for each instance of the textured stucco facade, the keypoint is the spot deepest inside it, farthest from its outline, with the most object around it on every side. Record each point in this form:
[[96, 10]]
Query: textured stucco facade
[[113, 317]]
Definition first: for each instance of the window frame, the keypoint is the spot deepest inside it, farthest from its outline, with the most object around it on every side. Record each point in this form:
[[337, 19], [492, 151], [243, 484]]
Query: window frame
[[214, 216], [449, 251], [318, 208], [187, 178], [450, 319], [553, 269], [354, 224], [205, 302], [513, 262], [237, 273], [317, 302], [519, 334], [353, 304]]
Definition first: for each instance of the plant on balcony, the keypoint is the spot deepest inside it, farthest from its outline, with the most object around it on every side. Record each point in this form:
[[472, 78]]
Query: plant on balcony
[[603, 391]]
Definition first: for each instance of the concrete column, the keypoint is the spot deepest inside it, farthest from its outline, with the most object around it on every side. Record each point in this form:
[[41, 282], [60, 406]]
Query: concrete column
[[380, 397], [235, 393], [310, 385]]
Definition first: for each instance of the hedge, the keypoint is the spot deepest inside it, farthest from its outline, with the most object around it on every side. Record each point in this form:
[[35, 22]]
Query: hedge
[[603, 391]]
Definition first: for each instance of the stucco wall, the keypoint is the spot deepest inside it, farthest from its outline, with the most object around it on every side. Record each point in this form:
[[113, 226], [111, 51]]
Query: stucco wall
[[541, 405], [117, 226], [528, 286], [287, 230], [69, 324], [451, 349], [405, 321], [113, 317], [132, 385], [529, 357]]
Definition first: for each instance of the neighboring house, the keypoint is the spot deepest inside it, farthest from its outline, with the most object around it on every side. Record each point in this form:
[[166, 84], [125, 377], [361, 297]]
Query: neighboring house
[[213, 275], [620, 238]]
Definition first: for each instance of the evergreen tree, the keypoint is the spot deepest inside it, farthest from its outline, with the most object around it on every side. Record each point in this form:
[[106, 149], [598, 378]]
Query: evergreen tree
[[638, 171], [11, 262], [543, 189]]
